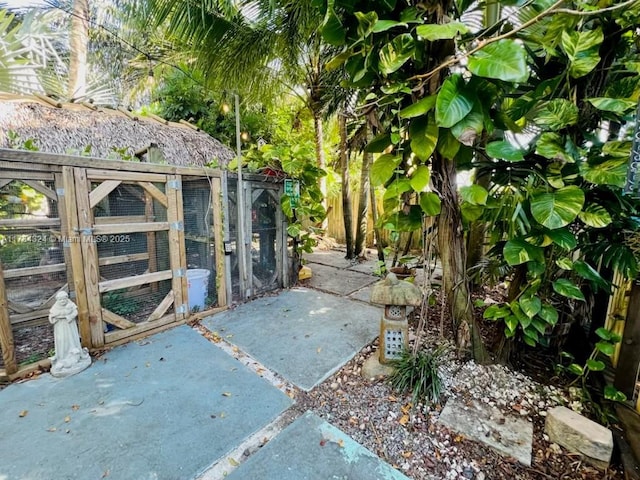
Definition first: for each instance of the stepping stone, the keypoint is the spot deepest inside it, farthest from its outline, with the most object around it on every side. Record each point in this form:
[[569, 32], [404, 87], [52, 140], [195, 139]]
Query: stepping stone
[[580, 435], [312, 449], [338, 281], [509, 436]]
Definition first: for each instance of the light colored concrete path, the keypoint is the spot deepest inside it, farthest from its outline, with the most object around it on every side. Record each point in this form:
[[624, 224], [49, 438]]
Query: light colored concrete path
[[166, 407], [302, 334], [312, 449]]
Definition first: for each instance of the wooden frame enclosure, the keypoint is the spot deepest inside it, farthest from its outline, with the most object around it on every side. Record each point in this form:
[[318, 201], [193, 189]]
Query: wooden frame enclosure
[[85, 206]]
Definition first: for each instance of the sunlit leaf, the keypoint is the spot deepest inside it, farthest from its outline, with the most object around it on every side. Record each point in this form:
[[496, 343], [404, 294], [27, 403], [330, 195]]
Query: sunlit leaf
[[610, 172], [443, 31], [424, 136], [530, 306], [615, 105], [557, 114], [474, 194], [382, 168], [332, 30], [396, 53], [563, 238], [419, 108], [453, 102], [551, 146], [430, 203], [582, 48], [384, 25], [606, 348], [518, 251], [505, 151], [420, 178], [567, 288], [505, 60], [366, 22], [557, 209], [595, 365]]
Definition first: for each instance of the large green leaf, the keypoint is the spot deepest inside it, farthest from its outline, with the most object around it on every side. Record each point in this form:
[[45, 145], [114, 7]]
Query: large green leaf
[[332, 30], [505, 60], [382, 168], [587, 272], [549, 314], [420, 178], [474, 194], [615, 105], [617, 148], [595, 216], [505, 151], [448, 146], [443, 31], [557, 209], [454, 102], [606, 348], [397, 187], [424, 136], [530, 306], [557, 114], [551, 145], [366, 23], [610, 172], [430, 203], [378, 144], [467, 130], [471, 212], [419, 108], [396, 53], [384, 25], [582, 49], [518, 251], [563, 238], [567, 289]]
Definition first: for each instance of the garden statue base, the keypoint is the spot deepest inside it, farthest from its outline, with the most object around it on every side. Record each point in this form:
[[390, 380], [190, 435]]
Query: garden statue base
[[75, 362]]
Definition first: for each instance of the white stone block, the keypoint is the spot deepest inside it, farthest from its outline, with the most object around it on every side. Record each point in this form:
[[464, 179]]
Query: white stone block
[[580, 435]]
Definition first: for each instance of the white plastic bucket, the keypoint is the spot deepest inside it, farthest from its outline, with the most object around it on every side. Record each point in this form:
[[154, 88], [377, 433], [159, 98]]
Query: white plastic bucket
[[197, 287]]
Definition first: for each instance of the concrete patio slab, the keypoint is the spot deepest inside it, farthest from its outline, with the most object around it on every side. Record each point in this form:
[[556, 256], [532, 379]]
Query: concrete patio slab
[[510, 436], [312, 449], [166, 407], [302, 334], [338, 281]]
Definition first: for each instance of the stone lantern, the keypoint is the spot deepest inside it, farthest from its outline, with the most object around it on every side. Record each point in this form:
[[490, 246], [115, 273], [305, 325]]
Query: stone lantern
[[396, 295]]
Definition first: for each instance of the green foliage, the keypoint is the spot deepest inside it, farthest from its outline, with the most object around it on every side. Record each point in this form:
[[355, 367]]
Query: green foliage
[[117, 303], [598, 403], [418, 373]]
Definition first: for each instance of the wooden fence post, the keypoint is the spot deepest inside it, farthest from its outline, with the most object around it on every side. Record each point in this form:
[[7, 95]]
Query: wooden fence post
[[6, 333]]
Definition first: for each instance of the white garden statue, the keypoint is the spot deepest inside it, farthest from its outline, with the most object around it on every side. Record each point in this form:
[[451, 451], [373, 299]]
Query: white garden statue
[[70, 358]]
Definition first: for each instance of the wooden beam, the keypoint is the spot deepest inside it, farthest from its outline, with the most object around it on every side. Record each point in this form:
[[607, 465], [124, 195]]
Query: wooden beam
[[629, 359], [26, 370], [38, 187], [118, 283], [155, 192], [117, 259], [64, 229], [18, 307], [49, 162], [30, 223], [177, 257], [20, 318], [141, 329], [218, 241], [123, 228], [122, 219], [6, 332], [48, 100], [26, 271], [116, 320], [99, 174], [12, 175], [208, 313], [162, 308], [91, 268], [102, 190]]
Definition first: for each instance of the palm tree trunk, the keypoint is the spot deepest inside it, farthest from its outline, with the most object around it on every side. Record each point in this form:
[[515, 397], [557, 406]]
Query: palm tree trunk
[[477, 232], [453, 254], [363, 206], [79, 42], [320, 158], [347, 213]]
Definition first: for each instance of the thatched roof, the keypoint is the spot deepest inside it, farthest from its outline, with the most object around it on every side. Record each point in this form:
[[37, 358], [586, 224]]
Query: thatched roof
[[70, 128]]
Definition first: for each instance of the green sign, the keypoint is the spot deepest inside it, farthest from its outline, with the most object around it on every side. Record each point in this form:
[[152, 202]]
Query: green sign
[[292, 190]]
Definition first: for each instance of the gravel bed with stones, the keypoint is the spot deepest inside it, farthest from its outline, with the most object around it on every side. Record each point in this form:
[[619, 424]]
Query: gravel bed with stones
[[411, 439]]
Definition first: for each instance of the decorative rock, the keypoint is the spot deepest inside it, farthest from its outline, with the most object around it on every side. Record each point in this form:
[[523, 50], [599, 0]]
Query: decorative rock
[[372, 368], [580, 435], [70, 358]]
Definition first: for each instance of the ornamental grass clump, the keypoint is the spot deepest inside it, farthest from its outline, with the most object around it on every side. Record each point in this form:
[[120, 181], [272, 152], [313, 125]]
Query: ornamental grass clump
[[418, 373]]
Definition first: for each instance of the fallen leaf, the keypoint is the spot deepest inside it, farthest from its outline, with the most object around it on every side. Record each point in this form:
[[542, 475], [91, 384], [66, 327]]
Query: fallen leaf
[[67, 419], [23, 413], [260, 371], [75, 408], [233, 461], [392, 398], [407, 454], [51, 429], [404, 420], [405, 409], [319, 349], [222, 415], [323, 442], [340, 443], [235, 349], [226, 394]]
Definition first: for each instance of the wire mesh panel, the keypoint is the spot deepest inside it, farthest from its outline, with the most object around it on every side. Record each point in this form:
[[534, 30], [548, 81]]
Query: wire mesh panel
[[200, 244], [33, 261], [264, 214], [232, 202]]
